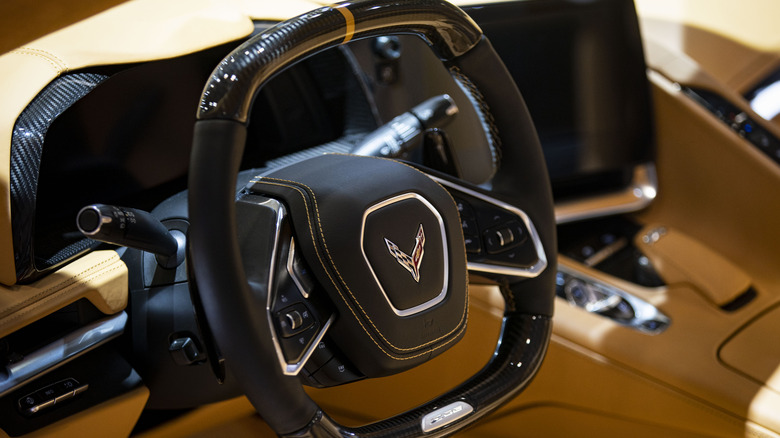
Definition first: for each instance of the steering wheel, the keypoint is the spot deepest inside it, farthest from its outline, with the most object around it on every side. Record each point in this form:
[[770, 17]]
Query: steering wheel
[[342, 267]]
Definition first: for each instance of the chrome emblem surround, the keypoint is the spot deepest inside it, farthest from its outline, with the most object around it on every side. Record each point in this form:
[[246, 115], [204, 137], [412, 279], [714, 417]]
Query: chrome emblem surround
[[411, 263], [445, 254]]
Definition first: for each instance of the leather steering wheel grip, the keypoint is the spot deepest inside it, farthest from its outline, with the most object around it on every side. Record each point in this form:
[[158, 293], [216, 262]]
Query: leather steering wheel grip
[[241, 329]]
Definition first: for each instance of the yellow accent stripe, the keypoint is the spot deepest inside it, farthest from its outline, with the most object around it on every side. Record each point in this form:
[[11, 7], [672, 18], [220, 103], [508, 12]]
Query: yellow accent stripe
[[350, 19]]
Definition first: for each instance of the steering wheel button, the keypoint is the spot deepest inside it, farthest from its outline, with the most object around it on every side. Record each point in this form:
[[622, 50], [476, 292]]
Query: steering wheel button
[[464, 208], [68, 384], [469, 226], [50, 393], [473, 245], [294, 346], [321, 355], [294, 319], [27, 402], [522, 255], [64, 397], [504, 237], [492, 242], [336, 372]]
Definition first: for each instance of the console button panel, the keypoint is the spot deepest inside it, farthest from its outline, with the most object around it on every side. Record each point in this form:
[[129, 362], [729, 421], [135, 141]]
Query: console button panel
[[50, 396], [739, 122]]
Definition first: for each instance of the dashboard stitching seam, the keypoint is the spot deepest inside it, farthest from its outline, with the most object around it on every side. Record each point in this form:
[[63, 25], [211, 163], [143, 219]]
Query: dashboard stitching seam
[[60, 68], [48, 54], [60, 287], [63, 291]]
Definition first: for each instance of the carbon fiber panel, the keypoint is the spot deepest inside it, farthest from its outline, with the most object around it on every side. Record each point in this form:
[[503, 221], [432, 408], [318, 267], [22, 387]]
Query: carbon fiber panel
[[27, 142]]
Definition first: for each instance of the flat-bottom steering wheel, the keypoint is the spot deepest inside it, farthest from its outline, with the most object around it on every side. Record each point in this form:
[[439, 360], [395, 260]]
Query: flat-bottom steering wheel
[[341, 267]]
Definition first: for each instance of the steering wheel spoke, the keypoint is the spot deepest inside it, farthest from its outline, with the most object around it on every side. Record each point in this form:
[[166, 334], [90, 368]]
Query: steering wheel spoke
[[501, 239], [298, 311]]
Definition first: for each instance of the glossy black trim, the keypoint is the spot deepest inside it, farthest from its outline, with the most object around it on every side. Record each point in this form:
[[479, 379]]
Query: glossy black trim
[[230, 91], [26, 150]]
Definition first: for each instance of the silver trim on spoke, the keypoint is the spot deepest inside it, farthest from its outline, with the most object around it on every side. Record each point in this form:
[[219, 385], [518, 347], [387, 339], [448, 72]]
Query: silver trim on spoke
[[294, 369], [527, 272], [287, 368], [291, 271]]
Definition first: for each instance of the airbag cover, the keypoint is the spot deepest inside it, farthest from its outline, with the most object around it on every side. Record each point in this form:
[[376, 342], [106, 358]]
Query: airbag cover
[[385, 242]]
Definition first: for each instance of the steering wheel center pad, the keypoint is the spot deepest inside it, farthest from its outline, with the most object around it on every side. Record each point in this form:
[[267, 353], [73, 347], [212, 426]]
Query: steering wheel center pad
[[385, 242]]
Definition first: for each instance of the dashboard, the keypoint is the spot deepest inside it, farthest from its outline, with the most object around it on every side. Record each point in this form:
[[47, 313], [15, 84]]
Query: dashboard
[[623, 125], [120, 134]]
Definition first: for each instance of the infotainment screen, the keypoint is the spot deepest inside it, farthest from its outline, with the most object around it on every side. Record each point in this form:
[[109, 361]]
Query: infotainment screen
[[580, 67]]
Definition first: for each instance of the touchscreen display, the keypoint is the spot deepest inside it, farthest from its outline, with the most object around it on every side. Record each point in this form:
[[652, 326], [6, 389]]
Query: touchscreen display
[[580, 68]]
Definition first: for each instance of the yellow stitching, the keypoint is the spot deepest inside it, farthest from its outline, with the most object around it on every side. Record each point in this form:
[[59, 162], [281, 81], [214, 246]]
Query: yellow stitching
[[61, 285], [57, 68], [311, 231], [17, 315], [324, 243], [435, 182], [62, 63]]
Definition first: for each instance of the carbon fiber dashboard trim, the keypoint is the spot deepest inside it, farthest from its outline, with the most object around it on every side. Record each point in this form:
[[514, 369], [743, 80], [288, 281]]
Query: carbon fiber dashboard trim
[[27, 142]]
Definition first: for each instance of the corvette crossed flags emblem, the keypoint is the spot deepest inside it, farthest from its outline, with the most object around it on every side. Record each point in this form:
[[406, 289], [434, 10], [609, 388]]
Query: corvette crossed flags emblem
[[411, 263]]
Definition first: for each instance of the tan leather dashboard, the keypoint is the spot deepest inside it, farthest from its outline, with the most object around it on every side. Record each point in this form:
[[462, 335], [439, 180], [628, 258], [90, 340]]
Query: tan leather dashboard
[[100, 277]]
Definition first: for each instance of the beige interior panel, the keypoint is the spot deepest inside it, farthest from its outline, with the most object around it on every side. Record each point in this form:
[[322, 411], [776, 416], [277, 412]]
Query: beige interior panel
[[234, 418], [115, 417], [24, 73], [679, 259], [736, 65], [751, 22], [755, 350], [565, 421], [594, 389], [46, 17], [100, 277], [715, 186]]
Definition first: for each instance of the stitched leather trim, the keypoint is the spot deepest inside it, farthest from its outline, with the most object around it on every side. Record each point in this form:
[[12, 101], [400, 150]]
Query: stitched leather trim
[[307, 190]]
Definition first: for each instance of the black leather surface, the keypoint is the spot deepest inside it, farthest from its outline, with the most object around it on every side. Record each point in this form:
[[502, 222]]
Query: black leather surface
[[522, 179], [328, 197]]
